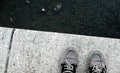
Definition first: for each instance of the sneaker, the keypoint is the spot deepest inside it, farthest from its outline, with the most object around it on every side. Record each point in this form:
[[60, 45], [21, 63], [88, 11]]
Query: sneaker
[[97, 63], [69, 61]]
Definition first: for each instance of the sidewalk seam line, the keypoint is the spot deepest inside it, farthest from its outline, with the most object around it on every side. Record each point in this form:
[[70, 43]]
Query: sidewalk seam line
[[9, 50]]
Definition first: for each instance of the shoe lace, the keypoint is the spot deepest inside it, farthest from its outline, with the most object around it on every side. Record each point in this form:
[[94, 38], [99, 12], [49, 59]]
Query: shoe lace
[[68, 67], [95, 69]]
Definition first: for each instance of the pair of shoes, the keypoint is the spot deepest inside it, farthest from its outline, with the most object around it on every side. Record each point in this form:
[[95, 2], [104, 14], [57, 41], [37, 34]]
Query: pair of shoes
[[96, 62]]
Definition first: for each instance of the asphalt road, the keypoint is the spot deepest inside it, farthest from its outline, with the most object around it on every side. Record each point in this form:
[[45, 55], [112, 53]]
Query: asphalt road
[[85, 17]]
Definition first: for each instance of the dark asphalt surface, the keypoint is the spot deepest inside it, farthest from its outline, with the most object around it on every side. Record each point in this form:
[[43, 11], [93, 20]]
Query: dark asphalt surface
[[85, 17]]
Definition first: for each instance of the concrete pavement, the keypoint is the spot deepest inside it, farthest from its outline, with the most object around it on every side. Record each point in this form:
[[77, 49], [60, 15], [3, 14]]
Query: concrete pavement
[[40, 52], [5, 36]]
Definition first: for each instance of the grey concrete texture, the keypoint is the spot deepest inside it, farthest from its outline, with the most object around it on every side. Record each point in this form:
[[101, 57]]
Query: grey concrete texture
[[5, 36], [40, 52]]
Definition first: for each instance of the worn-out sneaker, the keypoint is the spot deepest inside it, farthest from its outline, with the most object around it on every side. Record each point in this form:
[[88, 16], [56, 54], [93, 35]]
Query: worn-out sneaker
[[97, 63], [69, 61]]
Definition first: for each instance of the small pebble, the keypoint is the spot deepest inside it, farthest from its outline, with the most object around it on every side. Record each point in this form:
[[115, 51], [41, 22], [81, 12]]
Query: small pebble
[[43, 10], [58, 7], [11, 19], [28, 1]]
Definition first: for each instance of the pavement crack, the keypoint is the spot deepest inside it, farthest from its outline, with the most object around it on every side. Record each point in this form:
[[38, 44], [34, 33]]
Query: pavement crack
[[9, 51]]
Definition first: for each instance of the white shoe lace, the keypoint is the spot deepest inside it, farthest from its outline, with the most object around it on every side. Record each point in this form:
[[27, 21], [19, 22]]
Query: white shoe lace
[[68, 67], [96, 69]]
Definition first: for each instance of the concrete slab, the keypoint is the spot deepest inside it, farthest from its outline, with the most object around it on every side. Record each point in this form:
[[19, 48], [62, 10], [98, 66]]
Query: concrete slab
[[5, 35], [39, 52]]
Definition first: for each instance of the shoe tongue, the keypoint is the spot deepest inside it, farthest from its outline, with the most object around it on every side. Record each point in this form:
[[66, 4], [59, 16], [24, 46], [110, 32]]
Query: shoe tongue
[[96, 61], [71, 60]]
